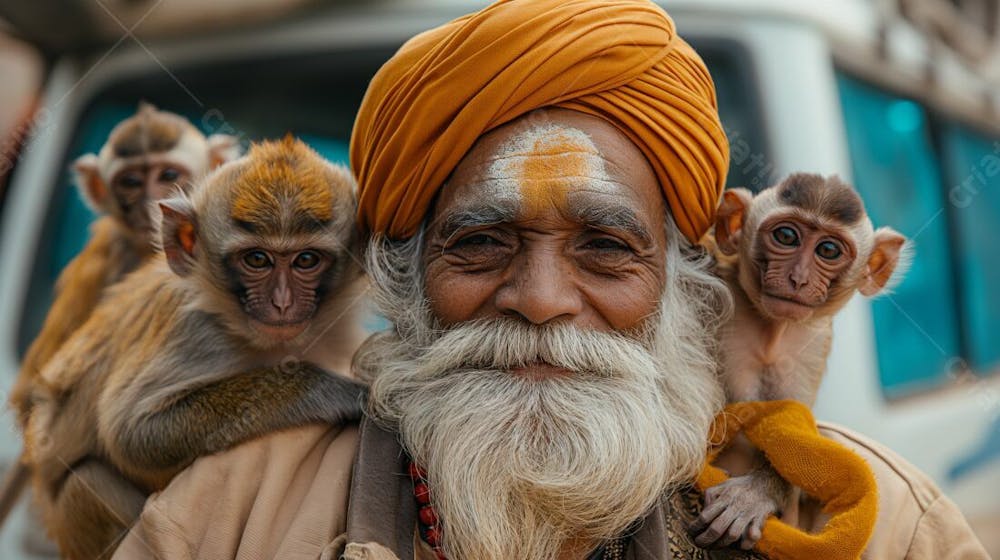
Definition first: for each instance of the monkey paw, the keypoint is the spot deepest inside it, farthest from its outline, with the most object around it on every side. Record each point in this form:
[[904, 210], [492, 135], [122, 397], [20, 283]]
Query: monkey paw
[[734, 512]]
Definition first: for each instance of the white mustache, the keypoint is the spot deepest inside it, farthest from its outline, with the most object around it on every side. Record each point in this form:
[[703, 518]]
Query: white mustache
[[505, 344]]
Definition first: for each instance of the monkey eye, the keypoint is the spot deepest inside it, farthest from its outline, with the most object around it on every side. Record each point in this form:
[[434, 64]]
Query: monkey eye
[[786, 236], [828, 250], [131, 180], [306, 260], [169, 175], [256, 260]]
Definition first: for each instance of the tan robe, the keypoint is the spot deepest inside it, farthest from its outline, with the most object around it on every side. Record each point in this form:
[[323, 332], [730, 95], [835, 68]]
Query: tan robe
[[286, 496]]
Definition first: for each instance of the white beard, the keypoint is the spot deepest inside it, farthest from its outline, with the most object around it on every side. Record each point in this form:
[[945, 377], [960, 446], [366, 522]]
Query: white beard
[[519, 466]]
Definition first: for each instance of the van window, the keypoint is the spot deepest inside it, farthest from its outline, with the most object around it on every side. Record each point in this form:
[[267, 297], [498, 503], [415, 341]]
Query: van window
[[972, 170], [897, 173], [312, 96]]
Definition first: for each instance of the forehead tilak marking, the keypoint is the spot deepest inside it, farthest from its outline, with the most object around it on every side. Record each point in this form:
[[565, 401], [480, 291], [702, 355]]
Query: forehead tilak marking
[[535, 166]]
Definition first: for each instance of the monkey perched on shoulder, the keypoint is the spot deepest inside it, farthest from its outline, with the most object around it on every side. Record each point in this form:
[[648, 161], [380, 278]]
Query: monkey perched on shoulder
[[146, 157], [792, 257], [200, 349]]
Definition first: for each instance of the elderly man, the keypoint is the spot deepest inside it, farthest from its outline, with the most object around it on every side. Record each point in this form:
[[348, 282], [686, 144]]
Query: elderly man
[[534, 176]]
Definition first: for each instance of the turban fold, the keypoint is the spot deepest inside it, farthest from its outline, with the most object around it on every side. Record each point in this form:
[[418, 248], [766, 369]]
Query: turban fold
[[619, 60]]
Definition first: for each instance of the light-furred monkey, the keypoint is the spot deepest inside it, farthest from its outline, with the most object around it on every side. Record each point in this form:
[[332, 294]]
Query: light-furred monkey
[[208, 345], [792, 256], [146, 157]]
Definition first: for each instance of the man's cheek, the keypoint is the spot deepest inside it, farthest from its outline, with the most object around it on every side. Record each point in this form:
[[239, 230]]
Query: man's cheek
[[456, 297], [627, 304]]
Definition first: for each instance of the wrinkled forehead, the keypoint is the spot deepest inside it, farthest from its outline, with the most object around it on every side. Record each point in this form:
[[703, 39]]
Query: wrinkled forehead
[[562, 161]]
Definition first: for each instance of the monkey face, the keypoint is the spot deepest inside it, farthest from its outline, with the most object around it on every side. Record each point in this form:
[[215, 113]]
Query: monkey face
[[280, 290], [135, 186], [802, 264]]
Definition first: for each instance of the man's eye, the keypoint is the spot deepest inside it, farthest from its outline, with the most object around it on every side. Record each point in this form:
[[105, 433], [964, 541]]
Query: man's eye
[[607, 244], [476, 240]]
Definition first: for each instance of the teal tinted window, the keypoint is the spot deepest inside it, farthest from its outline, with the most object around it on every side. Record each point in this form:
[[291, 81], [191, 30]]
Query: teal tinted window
[[897, 173], [972, 169]]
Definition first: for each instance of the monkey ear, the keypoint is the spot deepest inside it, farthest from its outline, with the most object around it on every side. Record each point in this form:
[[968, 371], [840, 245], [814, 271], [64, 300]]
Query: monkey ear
[[222, 148], [729, 219], [91, 186], [179, 234], [888, 251]]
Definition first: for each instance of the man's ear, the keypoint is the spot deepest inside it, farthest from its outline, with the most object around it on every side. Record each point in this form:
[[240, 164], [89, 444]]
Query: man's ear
[[222, 148], [729, 219], [179, 234], [888, 249], [94, 192]]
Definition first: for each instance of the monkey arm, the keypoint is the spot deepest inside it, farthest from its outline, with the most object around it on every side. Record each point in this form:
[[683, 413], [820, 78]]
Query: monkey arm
[[214, 417]]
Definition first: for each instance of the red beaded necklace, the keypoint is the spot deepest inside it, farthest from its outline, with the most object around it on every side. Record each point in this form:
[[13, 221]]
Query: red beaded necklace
[[430, 528], [430, 524]]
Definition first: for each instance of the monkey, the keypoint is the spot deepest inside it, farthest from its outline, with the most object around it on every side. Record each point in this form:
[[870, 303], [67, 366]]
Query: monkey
[[792, 256], [145, 158], [226, 334]]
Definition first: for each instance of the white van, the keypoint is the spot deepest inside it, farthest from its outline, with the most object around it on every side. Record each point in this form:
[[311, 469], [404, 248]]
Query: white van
[[831, 87]]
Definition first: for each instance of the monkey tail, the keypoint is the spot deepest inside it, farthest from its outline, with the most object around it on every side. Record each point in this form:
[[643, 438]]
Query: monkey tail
[[13, 485]]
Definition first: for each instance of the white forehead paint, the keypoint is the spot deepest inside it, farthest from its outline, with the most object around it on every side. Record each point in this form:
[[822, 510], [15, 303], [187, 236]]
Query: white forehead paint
[[540, 163]]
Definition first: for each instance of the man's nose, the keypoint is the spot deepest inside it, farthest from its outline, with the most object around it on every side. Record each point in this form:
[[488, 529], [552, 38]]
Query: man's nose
[[540, 290]]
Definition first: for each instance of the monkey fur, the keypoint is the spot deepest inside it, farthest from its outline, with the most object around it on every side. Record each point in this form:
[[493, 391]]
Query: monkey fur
[[792, 256], [146, 156], [201, 349]]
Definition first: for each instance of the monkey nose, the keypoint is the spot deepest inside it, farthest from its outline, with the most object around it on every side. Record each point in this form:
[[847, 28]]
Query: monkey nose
[[797, 280], [282, 299]]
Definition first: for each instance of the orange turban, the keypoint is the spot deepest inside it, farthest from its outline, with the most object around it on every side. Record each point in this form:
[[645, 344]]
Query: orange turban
[[619, 60]]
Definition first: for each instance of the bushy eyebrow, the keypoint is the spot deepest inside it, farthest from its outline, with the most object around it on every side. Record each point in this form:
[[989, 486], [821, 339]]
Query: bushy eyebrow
[[477, 216], [613, 216], [595, 214]]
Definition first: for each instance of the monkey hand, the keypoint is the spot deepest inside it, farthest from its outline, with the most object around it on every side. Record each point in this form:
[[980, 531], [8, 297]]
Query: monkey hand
[[736, 509]]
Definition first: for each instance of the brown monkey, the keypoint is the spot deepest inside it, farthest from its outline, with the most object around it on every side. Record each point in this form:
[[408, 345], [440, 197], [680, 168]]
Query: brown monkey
[[792, 256], [199, 349], [146, 157]]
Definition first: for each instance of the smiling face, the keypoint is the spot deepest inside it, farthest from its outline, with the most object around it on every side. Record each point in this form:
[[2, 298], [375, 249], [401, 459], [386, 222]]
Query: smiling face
[[548, 293], [555, 218]]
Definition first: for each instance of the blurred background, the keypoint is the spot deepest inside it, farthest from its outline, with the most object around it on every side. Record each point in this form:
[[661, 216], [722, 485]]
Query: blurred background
[[901, 97]]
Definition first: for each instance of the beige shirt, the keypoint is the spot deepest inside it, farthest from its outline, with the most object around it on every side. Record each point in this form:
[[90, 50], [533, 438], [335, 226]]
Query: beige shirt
[[285, 496]]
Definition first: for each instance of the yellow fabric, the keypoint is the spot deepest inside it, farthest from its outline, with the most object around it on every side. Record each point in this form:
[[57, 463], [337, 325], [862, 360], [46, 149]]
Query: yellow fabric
[[620, 60], [787, 434]]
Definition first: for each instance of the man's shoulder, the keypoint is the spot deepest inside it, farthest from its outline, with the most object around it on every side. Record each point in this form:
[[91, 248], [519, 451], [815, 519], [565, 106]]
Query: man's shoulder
[[312, 448], [283, 492], [889, 467], [916, 520]]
